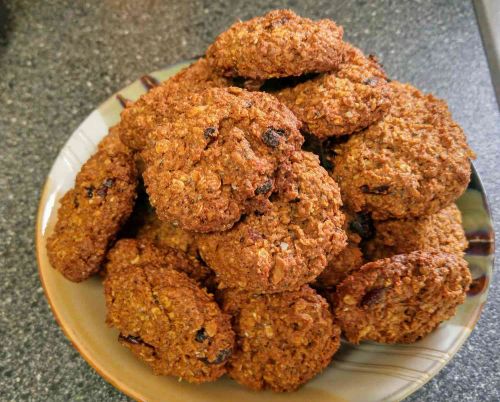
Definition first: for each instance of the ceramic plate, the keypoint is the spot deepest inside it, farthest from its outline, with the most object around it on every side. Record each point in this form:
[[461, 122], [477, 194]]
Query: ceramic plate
[[367, 372]]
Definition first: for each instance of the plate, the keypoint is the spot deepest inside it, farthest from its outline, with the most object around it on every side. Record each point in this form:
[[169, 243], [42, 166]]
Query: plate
[[367, 372]]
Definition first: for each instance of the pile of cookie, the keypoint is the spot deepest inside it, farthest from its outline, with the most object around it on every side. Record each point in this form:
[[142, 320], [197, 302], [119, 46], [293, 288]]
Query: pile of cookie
[[275, 194]]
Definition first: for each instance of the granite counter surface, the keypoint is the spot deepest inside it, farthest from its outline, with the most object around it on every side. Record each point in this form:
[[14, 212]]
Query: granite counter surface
[[60, 59]]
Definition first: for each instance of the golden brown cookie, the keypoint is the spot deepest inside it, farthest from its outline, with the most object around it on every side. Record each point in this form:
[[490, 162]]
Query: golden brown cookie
[[290, 244], [168, 237], [218, 159], [91, 214], [351, 257], [163, 234], [112, 143], [340, 266], [278, 44], [414, 162], [163, 316], [175, 259], [358, 68], [441, 231], [403, 298], [282, 340], [141, 117], [341, 102]]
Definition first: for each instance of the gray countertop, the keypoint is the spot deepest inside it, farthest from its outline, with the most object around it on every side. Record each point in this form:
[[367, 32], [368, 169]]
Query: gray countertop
[[60, 59]]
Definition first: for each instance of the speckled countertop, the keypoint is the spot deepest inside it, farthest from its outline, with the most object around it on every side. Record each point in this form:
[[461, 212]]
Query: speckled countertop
[[59, 59]]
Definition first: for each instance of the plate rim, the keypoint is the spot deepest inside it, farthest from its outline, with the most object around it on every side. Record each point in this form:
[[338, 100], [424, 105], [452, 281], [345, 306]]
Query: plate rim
[[122, 386]]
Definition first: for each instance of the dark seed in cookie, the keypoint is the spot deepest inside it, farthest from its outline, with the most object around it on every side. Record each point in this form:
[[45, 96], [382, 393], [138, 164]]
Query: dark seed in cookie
[[102, 191], [109, 183], [264, 188], [209, 132], [221, 357], [379, 190], [201, 335], [372, 81], [136, 340], [374, 296], [271, 137], [90, 191]]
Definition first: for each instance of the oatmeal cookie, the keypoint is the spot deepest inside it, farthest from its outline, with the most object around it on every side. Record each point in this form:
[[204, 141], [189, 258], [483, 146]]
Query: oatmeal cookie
[[340, 102], [414, 162], [359, 68], [287, 246], [282, 340], [163, 316], [167, 237], [340, 266], [403, 298], [164, 234], [278, 44], [159, 104], [219, 158], [112, 143], [441, 231], [175, 259], [91, 214], [349, 259]]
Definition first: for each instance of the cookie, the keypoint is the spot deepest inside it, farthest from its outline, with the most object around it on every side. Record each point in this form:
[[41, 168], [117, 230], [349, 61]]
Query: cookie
[[340, 266], [163, 316], [112, 143], [175, 240], [219, 158], [361, 69], [334, 105], [163, 234], [403, 298], [151, 109], [167, 255], [93, 211], [440, 231], [282, 340], [412, 163], [278, 44], [349, 259], [290, 244]]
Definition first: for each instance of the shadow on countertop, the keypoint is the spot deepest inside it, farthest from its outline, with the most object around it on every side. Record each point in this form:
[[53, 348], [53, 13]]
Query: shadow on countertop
[[5, 25]]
